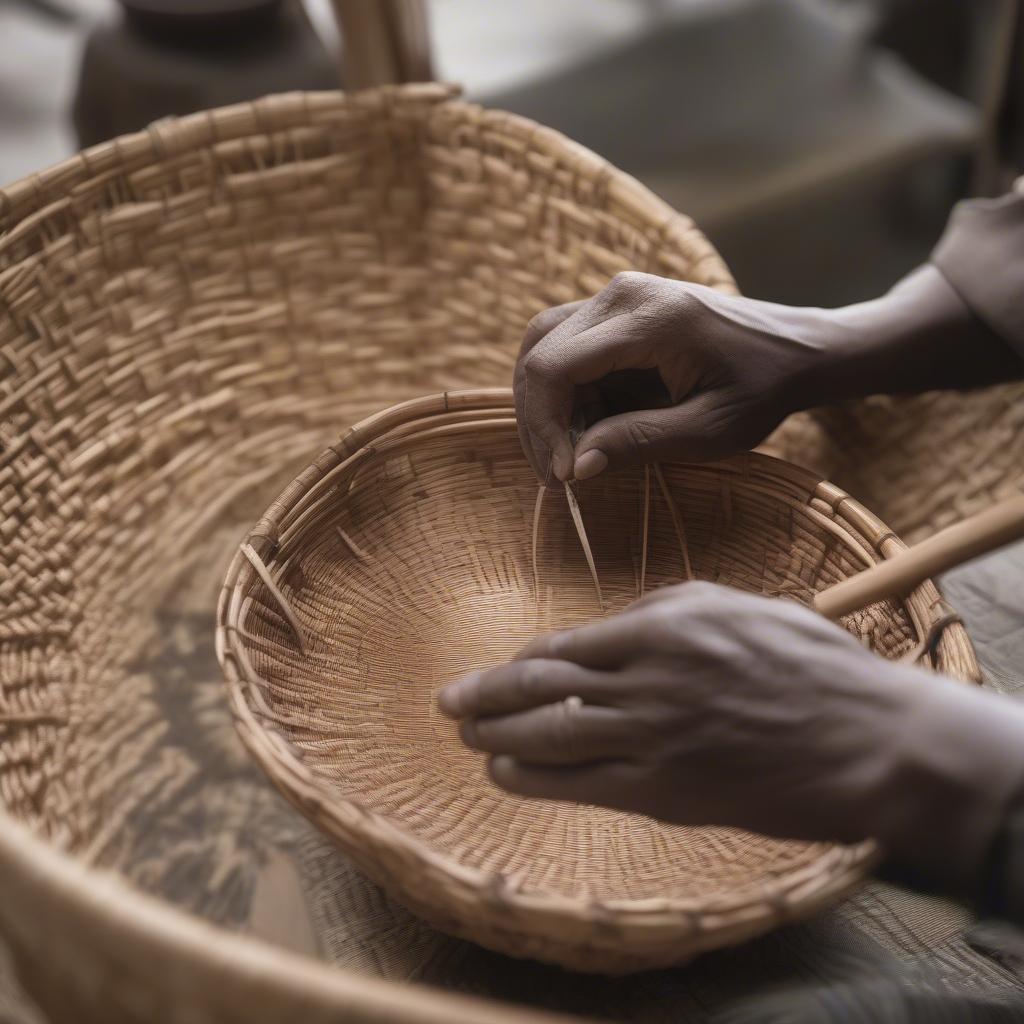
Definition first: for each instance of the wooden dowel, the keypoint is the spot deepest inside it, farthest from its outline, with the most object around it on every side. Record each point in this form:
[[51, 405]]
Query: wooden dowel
[[383, 42], [994, 528]]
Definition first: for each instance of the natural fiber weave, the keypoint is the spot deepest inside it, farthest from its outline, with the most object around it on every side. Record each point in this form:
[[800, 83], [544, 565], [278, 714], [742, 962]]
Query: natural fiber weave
[[404, 557], [921, 463], [185, 314]]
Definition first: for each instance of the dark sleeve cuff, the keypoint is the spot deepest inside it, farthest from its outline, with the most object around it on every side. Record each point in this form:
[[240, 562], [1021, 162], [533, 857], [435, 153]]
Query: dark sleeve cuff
[[999, 892], [1002, 891], [981, 254]]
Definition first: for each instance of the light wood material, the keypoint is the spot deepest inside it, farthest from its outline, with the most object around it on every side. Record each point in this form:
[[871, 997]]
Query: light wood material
[[408, 554], [384, 42], [279, 912], [186, 314], [984, 532]]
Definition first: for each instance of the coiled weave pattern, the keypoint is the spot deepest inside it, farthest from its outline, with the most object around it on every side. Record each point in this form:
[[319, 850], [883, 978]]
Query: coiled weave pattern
[[403, 558]]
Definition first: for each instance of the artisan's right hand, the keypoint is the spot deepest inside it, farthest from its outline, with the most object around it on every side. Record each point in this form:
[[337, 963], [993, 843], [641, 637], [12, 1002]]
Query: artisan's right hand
[[654, 369], [657, 368]]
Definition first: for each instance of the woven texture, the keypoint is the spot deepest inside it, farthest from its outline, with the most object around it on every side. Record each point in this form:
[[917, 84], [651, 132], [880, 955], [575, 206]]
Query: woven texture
[[921, 463], [185, 315], [404, 557]]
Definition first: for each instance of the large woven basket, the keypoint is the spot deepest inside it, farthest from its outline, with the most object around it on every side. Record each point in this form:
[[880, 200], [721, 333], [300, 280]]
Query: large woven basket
[[185, 314], [404, 556]]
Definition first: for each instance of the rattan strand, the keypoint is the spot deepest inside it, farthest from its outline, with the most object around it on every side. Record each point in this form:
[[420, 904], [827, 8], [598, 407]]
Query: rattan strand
[[442, 509], [185, 315]]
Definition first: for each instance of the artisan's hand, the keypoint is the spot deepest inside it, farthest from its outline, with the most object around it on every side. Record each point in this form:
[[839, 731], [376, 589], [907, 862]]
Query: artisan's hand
[[705, 705], [658, 369]]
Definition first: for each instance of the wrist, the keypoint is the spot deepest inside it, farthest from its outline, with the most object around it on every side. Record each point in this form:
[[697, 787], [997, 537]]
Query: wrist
[[956, 763]]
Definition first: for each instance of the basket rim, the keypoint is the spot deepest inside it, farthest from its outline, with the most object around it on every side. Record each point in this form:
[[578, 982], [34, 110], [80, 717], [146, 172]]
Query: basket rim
[[27, 200], [159, 926], [833, 872]]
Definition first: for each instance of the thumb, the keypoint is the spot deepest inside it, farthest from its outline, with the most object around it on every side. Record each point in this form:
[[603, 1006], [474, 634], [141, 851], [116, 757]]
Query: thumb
[[696, 430]]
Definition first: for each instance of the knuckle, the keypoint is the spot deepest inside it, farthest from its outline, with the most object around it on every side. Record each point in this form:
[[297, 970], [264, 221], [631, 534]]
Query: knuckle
[[537, 326], [544, 362], [627, 282], [637, 434], [700, 601], [664, 620], [702, 591], [655, 724], [528, 680], [558, 645], [691, 610], [686, 301]]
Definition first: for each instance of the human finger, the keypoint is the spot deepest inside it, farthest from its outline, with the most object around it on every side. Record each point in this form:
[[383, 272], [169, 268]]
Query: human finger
[[568, 732], [520, 685], [705, 427], [579, 351], [607, 644], [553, 443]]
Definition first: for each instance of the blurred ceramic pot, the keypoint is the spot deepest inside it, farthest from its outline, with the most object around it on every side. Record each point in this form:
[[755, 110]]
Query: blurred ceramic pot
[[162, 57]]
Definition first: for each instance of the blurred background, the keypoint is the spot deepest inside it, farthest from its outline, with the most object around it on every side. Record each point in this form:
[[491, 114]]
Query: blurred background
[[819, 143]]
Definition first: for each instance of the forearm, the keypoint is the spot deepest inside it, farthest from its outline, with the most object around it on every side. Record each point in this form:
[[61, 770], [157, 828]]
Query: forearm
[[919, 337], [950, 789], [956, 323]]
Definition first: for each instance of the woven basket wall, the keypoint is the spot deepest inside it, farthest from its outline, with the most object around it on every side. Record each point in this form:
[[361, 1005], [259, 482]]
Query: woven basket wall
[[185, 315], [405, 556], [921, 462]]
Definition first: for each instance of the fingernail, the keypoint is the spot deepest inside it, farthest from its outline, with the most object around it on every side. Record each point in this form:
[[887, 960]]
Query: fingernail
[[501, 768], [448, 700], [589, 464], [467, 732]]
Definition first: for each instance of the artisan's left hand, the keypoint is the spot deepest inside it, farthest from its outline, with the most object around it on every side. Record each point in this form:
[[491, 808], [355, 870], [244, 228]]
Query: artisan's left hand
[[705, 705]]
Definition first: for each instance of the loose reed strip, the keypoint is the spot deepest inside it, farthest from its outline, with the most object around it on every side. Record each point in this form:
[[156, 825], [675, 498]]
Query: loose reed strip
[[33, 718], [647, 529], [351, 544], [286, 609], [577, 518], [677, 520], [536, 536]]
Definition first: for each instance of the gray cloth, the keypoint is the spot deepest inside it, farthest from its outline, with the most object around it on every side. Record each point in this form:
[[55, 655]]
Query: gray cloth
[[992, 587]]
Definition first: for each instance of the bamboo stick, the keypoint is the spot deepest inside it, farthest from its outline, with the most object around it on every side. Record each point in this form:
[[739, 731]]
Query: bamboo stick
[[994, 528]]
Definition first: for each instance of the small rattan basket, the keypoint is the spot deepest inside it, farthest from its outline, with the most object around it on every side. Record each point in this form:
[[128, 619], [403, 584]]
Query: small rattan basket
[[408, 554]]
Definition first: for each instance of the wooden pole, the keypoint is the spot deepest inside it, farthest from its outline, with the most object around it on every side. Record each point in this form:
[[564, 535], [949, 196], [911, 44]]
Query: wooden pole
[[994, 528], [384, 42]]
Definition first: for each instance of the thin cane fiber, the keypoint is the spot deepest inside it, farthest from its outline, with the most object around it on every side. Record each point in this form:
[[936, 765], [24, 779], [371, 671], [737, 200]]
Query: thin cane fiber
[[185, 314], [439, 496], [581, 532]]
